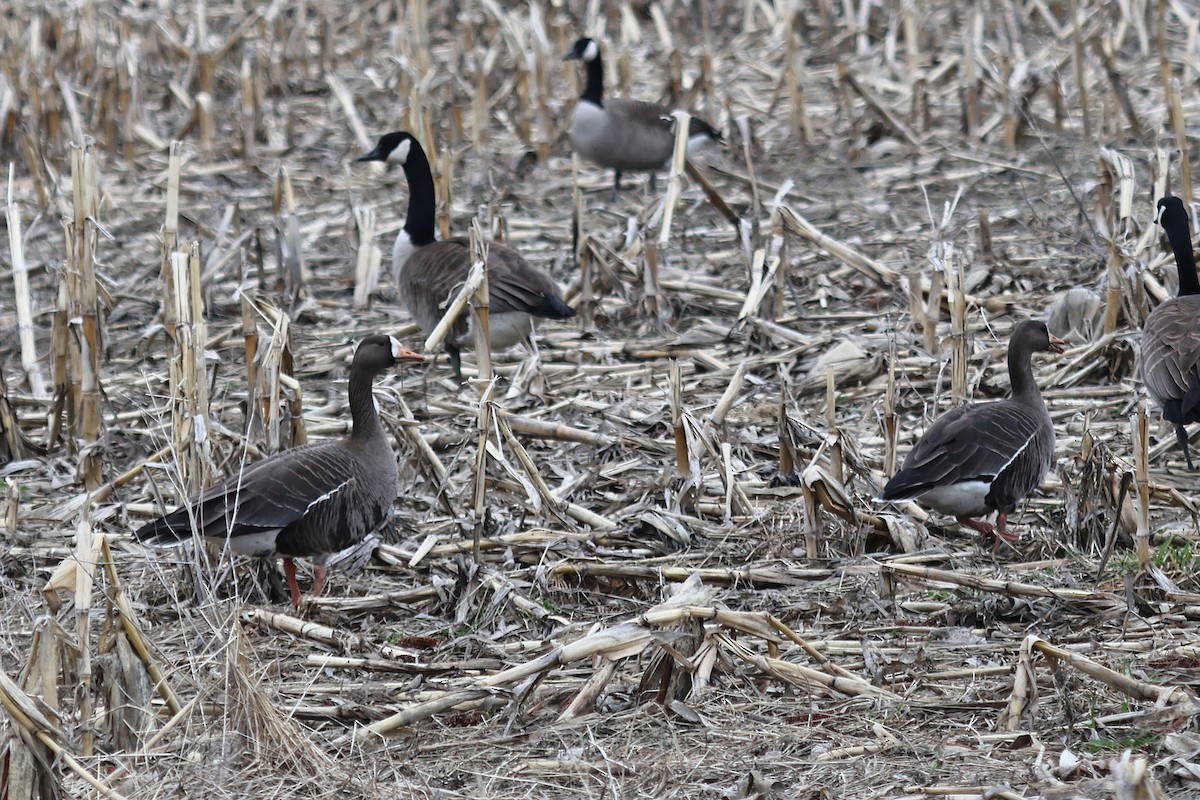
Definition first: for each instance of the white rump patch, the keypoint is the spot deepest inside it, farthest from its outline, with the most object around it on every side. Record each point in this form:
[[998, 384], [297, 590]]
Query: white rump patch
[[252, 544], [698, 142], [958, 499]]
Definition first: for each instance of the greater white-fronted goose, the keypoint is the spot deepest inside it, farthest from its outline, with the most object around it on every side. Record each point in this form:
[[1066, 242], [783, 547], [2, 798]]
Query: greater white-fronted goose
[[980, 458], [1170, 349], [624, 134], [319, 501], [428, 273]]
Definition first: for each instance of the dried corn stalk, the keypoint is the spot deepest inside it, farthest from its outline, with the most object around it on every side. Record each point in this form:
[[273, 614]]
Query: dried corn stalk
[[24, 302], [287, 238], [85, 347], [479, 304], [367, 264], [188, 374]]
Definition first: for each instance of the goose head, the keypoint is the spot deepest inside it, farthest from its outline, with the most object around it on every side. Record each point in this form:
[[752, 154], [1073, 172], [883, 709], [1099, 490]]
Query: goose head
[[1034, 337], [392, 147], [377, 353], [585, 49]]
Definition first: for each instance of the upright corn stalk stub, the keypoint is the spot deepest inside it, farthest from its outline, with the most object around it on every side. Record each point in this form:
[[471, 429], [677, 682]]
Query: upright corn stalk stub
[[86, 345], [479, 304]]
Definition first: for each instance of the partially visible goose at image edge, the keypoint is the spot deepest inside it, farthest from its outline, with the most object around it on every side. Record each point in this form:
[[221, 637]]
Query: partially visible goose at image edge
[[985, 457], [319, 501], [1170, 347], [428, 273], [624, 134]]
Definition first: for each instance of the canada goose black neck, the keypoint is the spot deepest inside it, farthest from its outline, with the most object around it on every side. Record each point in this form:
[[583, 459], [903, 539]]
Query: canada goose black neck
[[587, 50], [422, 204], [593, 91], [1173, 217]]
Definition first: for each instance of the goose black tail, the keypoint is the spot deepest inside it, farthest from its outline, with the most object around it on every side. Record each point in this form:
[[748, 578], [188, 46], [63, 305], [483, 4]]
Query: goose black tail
[[552, 307]]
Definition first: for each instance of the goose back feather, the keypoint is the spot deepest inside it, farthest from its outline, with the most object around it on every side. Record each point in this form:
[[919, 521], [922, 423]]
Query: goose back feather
[[517, 290], [1000, 450]]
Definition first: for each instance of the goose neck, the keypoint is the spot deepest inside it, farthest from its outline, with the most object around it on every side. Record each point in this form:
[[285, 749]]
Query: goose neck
[[422, 203], [593, 90], [364, 418], [1180, 236], [1020, 375]]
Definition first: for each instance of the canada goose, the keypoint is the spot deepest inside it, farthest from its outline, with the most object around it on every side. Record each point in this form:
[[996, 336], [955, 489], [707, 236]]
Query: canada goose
[[319, 501], [1170, 348], [428, 273], [627, 135], [980, 458]]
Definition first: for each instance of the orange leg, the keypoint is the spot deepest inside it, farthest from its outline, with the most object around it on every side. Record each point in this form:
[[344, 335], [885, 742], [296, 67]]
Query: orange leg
[[1002, 533], [997, 533], [318, 579], [983, 527], [1002, 529], [289, 571]]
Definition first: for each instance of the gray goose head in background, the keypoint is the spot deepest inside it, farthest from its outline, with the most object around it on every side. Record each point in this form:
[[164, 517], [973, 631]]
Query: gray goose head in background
[[1170, 348], [318, 501], [624, 134], [428, 273], [980, 458]]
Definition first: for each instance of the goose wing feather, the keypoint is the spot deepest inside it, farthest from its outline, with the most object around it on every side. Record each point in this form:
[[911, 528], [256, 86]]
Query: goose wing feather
[[639, 135], [514, 285], [656, 118], [312, 494], [968, 443], [1170, 357], [640, 113]]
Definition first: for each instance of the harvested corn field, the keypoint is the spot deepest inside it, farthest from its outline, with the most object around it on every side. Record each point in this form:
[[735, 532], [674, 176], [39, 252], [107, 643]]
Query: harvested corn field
[[642, 557]]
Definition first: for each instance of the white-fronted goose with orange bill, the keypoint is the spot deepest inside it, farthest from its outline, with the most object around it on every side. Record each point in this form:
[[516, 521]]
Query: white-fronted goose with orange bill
[[319, 501], [625, 134], [428, 273], [985, 457], [1170, 348]]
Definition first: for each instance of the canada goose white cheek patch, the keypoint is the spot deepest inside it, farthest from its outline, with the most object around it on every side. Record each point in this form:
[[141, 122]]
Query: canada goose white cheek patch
[[400, 154], [591, 52]]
